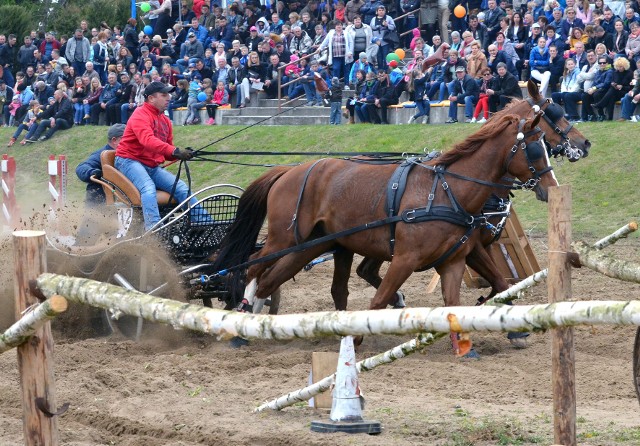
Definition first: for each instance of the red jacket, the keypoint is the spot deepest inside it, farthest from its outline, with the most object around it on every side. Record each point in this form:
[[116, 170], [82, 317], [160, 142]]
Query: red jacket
[[55, 45], [148, 137]]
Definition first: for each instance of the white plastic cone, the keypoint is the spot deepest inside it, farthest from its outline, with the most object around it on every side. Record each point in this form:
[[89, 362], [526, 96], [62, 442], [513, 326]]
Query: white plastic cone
[[346, 404], [346, 408]]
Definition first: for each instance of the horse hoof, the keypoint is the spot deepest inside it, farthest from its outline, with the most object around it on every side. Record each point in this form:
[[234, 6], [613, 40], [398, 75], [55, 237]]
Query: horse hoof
[[519, 343], [518, 340], [399, 302], [238, 342], [473, 354]]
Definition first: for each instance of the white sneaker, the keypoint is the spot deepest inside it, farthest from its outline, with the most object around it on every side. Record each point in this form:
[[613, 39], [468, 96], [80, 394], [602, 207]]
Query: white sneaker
[[469, 120], [411, 120], [473, 121], [481, 121], [425, 119], [634, 118]]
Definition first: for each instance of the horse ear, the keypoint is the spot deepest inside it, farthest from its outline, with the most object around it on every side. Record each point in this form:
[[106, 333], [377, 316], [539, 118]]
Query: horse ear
[[533, 122], [532, 87]]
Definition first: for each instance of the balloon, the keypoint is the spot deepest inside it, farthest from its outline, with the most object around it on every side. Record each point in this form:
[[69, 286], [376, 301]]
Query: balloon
[[148, 30], [393, 64], [392, 56], [400, 53], [202, 96], [459, 11], [145, 7]]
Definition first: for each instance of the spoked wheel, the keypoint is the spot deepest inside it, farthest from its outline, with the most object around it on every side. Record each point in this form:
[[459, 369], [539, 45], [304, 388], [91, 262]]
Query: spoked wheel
[[142, 268], [636, 364]]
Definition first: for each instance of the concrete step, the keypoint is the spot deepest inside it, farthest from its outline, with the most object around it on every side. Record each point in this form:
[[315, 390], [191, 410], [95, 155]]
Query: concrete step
[[277, 120], [270, 111]]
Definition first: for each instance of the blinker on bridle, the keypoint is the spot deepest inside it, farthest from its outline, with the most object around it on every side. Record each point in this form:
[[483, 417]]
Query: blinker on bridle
[[552, 113]]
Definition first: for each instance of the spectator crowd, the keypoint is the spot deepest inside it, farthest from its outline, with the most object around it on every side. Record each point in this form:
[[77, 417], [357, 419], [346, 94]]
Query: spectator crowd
[[577, 51]]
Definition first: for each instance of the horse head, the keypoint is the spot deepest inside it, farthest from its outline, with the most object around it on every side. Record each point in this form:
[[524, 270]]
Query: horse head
[[528, 159], [562, 138]]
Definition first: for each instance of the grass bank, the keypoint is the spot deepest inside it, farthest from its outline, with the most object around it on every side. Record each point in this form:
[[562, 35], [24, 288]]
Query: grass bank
[[605, 192]]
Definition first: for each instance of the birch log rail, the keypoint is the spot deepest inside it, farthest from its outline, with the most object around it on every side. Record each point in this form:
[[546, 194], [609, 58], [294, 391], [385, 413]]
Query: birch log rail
[[339, 323], [422, 341], [512, 292], [606, 264], [26, 327]]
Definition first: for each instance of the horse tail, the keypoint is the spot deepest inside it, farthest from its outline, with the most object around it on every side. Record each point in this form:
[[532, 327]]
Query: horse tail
[[240, 241]]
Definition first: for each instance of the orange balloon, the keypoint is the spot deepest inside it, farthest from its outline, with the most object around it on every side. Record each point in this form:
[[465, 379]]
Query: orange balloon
[[400, 53], [459, 11]]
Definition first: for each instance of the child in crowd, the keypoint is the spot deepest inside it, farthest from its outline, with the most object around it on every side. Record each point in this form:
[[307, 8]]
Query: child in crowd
[[13, 108], [180, 97], [313, 96], [418, 85], [195, 87], [29, 123], [220, 97], [334, 95]]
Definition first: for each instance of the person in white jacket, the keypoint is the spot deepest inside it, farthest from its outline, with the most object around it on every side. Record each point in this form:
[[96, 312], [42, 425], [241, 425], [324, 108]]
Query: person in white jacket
[[359, 36], [340, 51], [569, 89]]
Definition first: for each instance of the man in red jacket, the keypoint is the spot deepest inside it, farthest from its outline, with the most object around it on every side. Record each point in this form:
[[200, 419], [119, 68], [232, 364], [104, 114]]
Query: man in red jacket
[[148, 142]]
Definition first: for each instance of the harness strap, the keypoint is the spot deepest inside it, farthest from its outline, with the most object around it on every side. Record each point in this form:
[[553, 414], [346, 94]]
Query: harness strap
[[294, 219], [450, 251], [395, 190]]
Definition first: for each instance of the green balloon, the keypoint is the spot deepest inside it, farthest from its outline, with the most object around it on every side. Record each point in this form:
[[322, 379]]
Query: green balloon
[[393, 56], [145, 7]]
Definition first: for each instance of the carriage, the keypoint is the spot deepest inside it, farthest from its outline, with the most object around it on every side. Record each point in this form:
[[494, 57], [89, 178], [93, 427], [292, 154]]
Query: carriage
[[112, 246]]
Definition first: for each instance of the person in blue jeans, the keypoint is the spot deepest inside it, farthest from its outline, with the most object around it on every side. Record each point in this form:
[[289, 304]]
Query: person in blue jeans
[[630, 100], [465, 91], [147, 142]]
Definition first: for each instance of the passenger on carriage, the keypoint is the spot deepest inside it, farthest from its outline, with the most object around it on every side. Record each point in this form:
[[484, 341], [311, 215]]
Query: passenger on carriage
[[146, 144]]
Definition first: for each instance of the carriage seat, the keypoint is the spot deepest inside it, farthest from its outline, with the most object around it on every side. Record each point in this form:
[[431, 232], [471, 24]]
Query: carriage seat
[[114, 176]]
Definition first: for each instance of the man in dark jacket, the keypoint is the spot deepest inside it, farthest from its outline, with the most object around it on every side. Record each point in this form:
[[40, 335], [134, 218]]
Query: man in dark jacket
[[504, 88], [57, 117], [465, 91], [385, 96]]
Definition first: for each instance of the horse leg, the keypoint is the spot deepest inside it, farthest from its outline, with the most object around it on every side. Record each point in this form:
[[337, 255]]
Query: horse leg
[[287, 267], [451, 275], [369, 270], [480, 260], [342, 261]]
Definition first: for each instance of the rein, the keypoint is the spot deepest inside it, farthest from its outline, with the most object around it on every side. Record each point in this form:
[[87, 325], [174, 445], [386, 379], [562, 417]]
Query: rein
[[455, 214]]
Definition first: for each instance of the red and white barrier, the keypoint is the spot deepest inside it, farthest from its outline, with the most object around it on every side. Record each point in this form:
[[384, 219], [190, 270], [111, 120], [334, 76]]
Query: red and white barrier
[[9, 206], [57, 170]]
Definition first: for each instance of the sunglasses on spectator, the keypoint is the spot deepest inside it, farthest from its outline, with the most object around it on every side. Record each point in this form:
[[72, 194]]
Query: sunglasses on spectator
[[602, 63]]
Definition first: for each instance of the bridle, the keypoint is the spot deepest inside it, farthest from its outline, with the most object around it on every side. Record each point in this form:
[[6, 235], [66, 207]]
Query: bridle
[[532, 151], [552, 113]]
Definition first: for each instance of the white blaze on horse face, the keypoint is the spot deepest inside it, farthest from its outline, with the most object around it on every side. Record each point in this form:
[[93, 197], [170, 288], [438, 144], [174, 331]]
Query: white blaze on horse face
[[250, 292], [546, 157]]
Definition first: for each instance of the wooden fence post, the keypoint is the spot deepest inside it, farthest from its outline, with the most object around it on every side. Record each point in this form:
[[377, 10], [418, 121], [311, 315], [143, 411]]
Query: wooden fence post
[[35, 357], [559, 289]]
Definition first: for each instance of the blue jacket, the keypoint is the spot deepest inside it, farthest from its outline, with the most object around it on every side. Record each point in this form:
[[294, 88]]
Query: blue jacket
[[369, 93], [108, 94], [537, 60], [201, 33], [91, 166], [602, 79]]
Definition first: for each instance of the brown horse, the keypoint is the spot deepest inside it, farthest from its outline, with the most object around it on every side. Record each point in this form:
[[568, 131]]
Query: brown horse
[[561, 138], [331, 196]]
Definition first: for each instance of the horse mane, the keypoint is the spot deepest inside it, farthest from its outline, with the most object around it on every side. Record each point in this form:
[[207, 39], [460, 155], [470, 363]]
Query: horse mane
[[491, 129]]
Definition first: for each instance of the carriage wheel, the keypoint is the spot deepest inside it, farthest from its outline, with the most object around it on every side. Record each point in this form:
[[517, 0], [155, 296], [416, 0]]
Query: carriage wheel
[[636, 364], [138, 267]]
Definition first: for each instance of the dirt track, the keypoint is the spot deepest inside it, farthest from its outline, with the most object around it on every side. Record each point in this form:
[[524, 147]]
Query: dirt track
[[199, 392]]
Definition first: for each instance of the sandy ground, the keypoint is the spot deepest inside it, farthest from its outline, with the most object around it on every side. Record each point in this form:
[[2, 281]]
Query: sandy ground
[[197, 391]]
